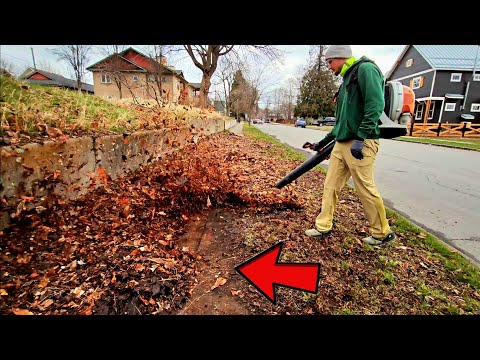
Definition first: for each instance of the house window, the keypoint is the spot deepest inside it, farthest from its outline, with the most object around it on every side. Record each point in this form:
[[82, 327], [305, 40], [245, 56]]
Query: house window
[[431, 111], [105, 79], [417, 82], [476, 77], [166, 79], [151, 78], [409, 63], [456, 77], [135, 78], [419, 111], [450, 106], [475, 108], [109, 97]]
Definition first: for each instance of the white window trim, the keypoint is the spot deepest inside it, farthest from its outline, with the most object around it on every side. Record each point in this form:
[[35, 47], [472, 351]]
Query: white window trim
[[476, 77], [135, 78], [475, 105], [409, 76], [432, 109], [449, 108], [109, 81], [420, 107], [413, 82], [453, 75], [409, 63]]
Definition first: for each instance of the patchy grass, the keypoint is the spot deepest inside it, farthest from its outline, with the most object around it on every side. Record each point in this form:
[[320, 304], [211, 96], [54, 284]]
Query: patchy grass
[[462, 268], [418, 263], [279, 148], [462, 143], [30, 109]]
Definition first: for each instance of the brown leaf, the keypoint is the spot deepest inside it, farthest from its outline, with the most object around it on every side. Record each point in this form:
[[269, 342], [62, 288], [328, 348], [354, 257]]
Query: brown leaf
[[43, 282], [78, 291], [220, 281], [53, 132], [22, 312], [46, 303], [235, 292], [102, 174]]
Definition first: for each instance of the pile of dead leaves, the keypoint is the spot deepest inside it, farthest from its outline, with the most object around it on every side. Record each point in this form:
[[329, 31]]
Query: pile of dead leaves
[[115, 251], [119, 249]]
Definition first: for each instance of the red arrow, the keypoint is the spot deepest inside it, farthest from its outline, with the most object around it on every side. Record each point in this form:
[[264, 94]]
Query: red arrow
[[264, 272]]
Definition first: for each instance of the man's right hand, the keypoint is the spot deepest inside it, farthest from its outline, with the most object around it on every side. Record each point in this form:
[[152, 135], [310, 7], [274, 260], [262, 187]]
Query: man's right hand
[[315, 146]]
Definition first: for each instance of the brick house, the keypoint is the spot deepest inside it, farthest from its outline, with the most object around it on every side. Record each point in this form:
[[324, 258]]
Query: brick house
[[445, 79], [131, 74]]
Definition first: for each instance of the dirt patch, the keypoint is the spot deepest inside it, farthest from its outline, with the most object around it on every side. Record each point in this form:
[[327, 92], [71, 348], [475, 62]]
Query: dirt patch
[[214, 238]]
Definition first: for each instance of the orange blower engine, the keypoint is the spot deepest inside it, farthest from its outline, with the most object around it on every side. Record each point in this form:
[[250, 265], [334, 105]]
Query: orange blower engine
[[398, 111]]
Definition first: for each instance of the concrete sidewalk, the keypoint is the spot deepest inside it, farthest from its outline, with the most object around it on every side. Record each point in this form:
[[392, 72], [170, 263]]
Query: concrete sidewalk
[[237, 129]]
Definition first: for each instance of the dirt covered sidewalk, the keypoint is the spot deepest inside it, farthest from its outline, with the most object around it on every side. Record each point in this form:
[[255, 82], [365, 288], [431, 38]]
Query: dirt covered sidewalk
[[166, 240]]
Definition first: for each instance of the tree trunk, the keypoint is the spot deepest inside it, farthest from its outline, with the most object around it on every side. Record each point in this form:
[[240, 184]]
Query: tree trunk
[[204, 88]]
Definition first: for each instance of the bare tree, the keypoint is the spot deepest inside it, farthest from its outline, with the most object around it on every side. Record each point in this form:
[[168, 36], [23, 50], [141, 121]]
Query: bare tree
[[155, 77], [224, 77], [6, 67], [47, 66], [205, 57], [76, 56], [113, 66]]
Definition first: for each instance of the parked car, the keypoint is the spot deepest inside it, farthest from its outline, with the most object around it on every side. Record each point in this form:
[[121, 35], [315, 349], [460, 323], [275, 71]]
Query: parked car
[[300, 123], [329, 120]]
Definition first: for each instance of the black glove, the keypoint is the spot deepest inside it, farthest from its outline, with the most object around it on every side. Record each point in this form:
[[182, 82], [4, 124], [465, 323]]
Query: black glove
[[315, 146], [356, 149]]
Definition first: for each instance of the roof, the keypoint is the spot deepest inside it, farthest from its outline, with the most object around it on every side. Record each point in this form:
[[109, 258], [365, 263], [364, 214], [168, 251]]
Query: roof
[[142, 61], [195, 85], [451, 57], [55, 80], [458, 57]]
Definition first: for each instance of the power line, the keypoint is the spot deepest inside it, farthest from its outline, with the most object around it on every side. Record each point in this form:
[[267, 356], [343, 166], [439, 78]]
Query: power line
[[3, 53]]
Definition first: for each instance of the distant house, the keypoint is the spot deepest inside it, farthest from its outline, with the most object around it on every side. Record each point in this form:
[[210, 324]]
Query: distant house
[[220, 106], [445, 79], [131, 74], [195, 89], [46, 78]]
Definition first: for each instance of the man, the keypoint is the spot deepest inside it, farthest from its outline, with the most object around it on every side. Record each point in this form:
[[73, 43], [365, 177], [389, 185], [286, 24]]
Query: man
[[359, 104]]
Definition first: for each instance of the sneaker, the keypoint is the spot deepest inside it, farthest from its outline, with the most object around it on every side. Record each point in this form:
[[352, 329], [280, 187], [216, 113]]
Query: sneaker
[[315, 232], [374, 241]]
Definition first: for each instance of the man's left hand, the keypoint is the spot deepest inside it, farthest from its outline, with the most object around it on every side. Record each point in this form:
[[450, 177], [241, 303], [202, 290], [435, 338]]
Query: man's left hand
[[356, 149]]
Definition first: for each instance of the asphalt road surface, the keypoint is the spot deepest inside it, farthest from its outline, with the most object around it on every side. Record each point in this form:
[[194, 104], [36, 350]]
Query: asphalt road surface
[[437, 188]]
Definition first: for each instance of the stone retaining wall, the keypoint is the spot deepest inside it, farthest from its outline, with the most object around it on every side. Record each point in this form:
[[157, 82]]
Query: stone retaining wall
[[73, 168]]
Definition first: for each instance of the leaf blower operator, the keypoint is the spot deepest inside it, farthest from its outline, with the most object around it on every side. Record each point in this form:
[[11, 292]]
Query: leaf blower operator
[[359, 105]]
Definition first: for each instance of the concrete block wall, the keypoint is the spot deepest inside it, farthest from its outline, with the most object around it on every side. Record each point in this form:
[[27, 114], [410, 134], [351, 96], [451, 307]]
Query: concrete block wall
[[69, 170]]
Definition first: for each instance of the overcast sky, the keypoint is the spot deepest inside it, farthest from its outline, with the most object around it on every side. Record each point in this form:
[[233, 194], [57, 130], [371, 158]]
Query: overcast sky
[[296, 57]]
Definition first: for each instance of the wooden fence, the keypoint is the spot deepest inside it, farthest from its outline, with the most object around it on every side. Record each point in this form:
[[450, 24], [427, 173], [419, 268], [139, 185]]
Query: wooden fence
[[444, 130]]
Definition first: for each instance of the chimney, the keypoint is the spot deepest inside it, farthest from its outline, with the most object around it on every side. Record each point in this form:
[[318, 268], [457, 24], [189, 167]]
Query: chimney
[[162, 60]]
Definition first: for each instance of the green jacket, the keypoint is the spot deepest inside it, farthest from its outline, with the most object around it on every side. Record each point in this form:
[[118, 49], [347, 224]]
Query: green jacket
[[359, 105]]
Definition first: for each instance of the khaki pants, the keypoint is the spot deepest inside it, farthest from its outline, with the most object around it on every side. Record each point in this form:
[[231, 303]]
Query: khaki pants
[[343, 165]]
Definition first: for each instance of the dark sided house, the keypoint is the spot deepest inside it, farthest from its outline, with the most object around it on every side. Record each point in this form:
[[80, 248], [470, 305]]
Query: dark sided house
[[445, 79], [46, 78]]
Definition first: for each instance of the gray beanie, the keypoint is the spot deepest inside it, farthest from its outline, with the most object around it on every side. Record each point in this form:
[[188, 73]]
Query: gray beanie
[[338, 51]]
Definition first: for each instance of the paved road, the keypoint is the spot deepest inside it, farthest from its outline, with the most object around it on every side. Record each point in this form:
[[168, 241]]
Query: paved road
[[437, 188]]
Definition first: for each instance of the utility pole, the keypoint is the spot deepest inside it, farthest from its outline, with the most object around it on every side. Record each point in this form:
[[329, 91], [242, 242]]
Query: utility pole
[[33, 57], [468, 83]]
